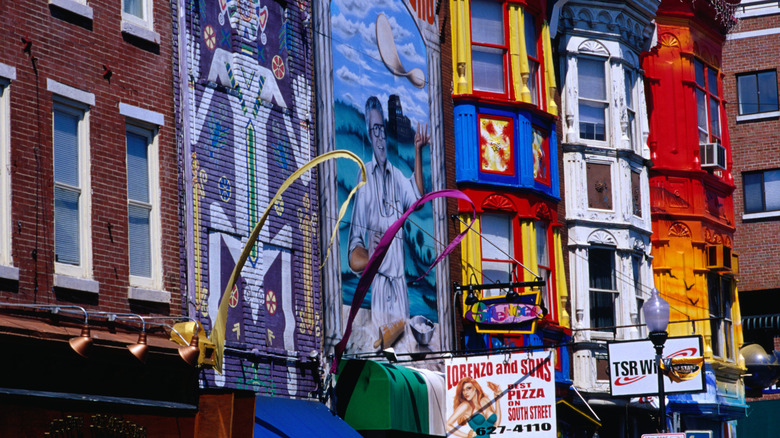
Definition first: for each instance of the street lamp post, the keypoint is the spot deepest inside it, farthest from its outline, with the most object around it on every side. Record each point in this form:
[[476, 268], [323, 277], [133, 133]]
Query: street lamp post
[[656, 313]]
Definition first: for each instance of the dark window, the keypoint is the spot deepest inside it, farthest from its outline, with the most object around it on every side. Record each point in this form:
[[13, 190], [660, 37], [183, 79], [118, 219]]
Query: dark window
[[636, 194], [603, 291], [757, 92], [721, 327], [762, 191]]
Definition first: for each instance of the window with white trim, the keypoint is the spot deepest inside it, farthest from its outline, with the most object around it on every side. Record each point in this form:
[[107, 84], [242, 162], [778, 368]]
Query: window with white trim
[[630, 80], [5, 177], [707, 102], [757, 92], [762, 191], [603, 289], [489, 46], [497, 250], [138, 12], [72, 191], [143, 207], [593, 101]]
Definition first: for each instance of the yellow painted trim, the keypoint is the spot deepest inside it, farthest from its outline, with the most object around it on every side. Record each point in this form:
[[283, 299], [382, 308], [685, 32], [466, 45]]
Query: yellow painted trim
[[471, 251], [549, 70], [560, 281], [461, 45], [528, 234], [518, 55]]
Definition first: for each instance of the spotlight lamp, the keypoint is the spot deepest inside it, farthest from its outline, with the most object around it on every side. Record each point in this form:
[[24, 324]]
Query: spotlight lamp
[[83, 343], [140, 349]]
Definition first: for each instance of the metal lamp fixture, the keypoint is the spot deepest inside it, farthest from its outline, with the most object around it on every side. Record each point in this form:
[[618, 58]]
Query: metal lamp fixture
[[656, 313], [81, 344], [190, 353], [140, 349]]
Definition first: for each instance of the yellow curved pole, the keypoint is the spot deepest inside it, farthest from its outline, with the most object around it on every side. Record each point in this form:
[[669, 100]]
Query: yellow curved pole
[[220, 323]]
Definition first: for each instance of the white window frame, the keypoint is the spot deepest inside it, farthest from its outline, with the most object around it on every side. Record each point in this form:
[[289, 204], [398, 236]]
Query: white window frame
[[154, 281], [148, 123], [145, 21], [606, 102], [632, 141], [7, 74], [84, 269]]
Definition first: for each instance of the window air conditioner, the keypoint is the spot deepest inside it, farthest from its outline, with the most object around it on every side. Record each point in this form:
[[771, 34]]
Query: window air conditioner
[[712, 155], [718, 257]]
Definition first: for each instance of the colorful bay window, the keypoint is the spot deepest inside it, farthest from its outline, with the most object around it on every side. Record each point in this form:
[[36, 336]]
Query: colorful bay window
[[707, 102], [502, 51]]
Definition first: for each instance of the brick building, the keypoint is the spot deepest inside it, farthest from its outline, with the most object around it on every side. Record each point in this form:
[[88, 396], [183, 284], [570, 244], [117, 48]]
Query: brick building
[[750, 63], [90, 220]]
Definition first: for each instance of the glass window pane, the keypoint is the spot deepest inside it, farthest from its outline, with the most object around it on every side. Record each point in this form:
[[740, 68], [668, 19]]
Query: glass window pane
[[699, 67], [66, 148], [748, 94], [530, 35], [496, 236], [496, 272], [712, 81], [542, 252], [714, 117], [139, 244], [629, 83], [602, 311], [133, 7], [772, 190], [66, 226], [601, 264], [701, 110], [591, 79], [487, 22], [137, 167], [767, 91], [533, 81], [593, 120], [488, 69], [754, 193]]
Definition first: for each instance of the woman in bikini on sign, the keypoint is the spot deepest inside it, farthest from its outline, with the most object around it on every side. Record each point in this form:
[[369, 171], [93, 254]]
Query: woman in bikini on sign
[[469, 400]]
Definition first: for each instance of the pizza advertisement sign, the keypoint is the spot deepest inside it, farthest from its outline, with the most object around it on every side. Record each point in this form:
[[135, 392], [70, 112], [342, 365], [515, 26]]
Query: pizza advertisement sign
[[633, 372], [506, 395]]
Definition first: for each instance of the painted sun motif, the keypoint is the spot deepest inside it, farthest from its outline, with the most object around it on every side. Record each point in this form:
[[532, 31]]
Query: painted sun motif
[[495, 146]]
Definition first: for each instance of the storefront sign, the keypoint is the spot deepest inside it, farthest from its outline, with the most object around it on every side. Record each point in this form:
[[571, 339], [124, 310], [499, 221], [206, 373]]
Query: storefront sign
[[632, 369], [505, 395], [663, 435]]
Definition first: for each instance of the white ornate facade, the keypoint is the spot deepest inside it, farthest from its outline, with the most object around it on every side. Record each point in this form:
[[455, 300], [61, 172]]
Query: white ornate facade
[[606, 159]]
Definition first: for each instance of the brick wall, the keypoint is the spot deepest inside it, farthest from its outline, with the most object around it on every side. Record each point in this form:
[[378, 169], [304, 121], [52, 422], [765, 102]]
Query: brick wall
[[72, 50], [755, 146]]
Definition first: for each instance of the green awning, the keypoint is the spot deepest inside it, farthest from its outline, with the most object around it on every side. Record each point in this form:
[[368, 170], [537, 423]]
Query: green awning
[[382, 396]]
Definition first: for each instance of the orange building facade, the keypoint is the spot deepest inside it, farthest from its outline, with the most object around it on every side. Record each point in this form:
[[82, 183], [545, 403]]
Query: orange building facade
[[691, 188]]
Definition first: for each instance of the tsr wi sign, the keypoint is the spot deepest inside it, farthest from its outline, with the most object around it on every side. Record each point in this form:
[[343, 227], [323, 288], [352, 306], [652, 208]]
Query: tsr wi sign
[[632, 370]]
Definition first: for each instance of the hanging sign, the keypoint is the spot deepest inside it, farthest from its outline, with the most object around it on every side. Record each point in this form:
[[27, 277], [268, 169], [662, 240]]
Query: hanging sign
[[632, 369], [504, 395]]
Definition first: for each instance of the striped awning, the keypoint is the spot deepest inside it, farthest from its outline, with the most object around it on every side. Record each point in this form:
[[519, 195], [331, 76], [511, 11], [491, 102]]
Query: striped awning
[[383, 396], [761, 322]]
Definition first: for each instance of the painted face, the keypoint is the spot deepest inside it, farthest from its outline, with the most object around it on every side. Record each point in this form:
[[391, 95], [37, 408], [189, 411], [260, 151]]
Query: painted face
[[376, 131], [468, 391]]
